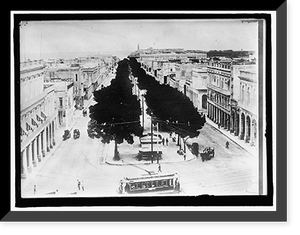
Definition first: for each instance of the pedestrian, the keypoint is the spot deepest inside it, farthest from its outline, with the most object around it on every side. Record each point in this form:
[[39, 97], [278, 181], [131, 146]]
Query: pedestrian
[[167, 141], [159, 168], [34, 189], [78, 183], [184, 156], [227, 144], [163, 141], [82, 187], [219, 125]]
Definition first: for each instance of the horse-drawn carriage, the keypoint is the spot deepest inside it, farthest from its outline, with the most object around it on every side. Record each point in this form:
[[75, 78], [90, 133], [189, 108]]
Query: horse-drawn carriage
[[66, 135], [207, 154], [76, 134]]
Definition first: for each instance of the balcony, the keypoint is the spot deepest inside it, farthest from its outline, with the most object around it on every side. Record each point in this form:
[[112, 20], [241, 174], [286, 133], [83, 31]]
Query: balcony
[[218, 89]]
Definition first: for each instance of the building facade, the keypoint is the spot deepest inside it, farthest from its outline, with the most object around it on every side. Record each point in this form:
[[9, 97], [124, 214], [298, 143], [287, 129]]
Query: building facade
[[38, 116], [245, 119], [65, 102], [90, 77], [197, 88], [219, 93], [232, 98]]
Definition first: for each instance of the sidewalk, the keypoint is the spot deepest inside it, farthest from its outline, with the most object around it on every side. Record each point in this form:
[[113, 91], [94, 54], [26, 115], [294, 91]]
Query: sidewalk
[[251, 149], [58, 140]]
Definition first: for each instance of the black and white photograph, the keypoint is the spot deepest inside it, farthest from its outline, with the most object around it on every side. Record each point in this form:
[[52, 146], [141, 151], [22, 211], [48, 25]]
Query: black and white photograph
[[154, 110]]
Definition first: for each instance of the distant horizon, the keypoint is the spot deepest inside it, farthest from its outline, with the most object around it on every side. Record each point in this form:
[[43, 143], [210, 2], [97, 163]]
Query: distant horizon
[[70, 55], [120, 54], [121, 37]]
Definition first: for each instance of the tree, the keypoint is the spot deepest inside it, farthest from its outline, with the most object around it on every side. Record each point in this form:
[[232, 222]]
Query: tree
[[116, 114], [171, 108]]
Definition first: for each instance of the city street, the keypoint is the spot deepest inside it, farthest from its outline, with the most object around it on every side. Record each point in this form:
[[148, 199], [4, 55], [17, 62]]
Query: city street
[[232, 171]]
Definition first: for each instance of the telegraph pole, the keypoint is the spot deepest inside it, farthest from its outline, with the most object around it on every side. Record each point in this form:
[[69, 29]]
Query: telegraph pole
[[157, 146], [151, 128], [143, 117]]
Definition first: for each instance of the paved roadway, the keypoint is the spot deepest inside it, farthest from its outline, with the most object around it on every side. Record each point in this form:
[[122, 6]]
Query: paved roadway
[[233, 171]]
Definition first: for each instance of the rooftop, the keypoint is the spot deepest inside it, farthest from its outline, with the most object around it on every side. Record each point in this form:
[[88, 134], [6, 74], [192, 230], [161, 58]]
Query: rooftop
[[89, 65]]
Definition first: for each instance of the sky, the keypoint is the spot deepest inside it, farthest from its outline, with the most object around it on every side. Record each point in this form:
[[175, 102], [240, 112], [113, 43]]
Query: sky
[[120, 37]]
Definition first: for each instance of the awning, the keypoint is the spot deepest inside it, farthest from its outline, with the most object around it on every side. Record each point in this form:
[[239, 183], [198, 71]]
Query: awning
[[23, 131], [29, 127], [34, 122], [43, 115], [39, 118]]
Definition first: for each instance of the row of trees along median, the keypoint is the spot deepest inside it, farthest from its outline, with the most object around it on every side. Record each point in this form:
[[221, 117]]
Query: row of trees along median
[[171, 108], [116, 114]]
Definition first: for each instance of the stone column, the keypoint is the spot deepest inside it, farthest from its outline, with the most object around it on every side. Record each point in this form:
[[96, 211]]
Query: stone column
[[44, 147], [215, 114], [53, 131], [24, 171], [47, 139], [228, 122], [247, 129], [34, 152], [29, 158], [208, 110], [39, 147], [236, 122], [232, 122], [222, 118], [50, 136], [241, 130]]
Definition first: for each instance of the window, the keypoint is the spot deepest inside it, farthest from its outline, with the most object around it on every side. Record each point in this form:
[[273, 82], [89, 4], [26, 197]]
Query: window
[[60, 102], [243, 93], [248, 95]]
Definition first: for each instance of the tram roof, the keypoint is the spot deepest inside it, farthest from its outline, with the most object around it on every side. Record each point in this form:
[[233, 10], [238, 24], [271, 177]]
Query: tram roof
[[154, 177]]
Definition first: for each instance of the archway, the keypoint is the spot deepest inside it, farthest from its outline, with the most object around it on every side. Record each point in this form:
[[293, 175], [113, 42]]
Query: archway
[[204, 101], [242, 126], [237, 125], [254, 132], [233, 122], [248, 129]]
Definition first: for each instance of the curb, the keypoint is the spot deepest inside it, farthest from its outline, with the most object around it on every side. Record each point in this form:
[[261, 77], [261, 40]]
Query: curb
[[232, 139]]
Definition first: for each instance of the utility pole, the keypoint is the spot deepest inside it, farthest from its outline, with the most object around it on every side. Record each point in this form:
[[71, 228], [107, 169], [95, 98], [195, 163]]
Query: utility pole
[[151, 128], [157, 146], [143, 117]]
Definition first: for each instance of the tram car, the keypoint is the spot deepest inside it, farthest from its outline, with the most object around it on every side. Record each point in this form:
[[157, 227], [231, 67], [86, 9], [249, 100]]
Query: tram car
[[160, 183]]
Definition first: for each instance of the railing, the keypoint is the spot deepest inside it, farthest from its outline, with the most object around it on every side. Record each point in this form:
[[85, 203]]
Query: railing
[[218, 89]]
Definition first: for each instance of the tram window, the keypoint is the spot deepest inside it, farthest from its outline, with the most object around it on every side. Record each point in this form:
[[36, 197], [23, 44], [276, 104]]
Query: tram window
[[143, 185], [132, 186], [138, 185], [164, 183]]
